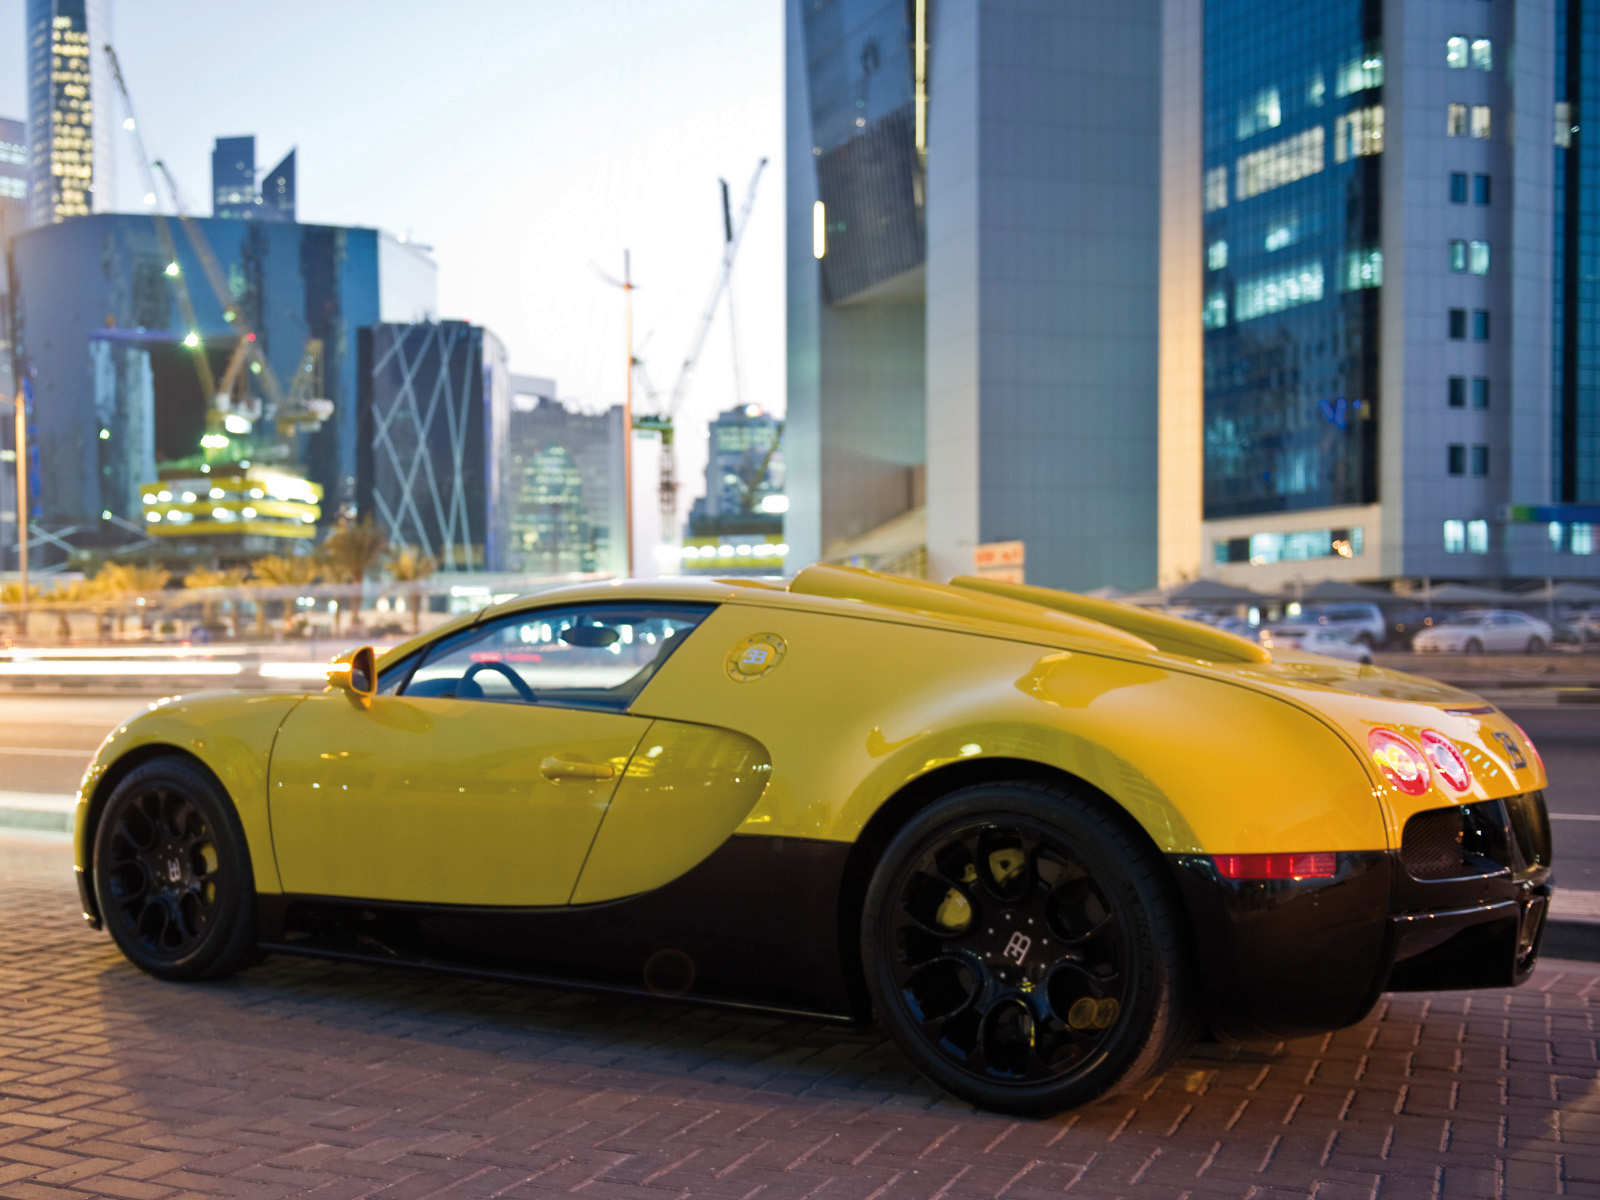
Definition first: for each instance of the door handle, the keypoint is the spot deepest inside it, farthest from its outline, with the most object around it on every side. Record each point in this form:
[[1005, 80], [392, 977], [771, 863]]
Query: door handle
[[555, 769]]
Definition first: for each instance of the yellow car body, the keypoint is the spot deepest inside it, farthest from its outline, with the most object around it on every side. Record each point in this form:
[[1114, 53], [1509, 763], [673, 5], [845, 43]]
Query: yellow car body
[[715, 837]]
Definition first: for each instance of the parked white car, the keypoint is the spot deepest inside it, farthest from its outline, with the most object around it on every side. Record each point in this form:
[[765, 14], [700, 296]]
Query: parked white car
[[1478, 631], [1362, 621], [1317, 639]]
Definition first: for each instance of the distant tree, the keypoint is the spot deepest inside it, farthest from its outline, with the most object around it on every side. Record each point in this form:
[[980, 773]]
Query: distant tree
[[351, 551], [11, 596], [277, 571], [407, 564], [207, 578], [130, 585]]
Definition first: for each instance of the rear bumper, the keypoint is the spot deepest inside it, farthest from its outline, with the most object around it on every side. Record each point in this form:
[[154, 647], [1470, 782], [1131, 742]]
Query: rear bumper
[[1295, 957]]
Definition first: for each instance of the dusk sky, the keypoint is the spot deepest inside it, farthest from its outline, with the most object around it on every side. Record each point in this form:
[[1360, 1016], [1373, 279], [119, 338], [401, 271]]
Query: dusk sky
[[519, 138]]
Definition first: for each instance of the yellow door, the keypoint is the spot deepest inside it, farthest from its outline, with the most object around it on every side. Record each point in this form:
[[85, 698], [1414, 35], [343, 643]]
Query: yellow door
[[481, 771]]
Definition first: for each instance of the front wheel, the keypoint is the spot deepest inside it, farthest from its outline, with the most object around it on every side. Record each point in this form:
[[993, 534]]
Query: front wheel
[[1536, 645], [1473, 646], [1021, 947], [172, 873]]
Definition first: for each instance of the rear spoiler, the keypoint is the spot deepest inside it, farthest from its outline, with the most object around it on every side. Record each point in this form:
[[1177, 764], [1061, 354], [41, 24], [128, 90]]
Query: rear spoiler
[[1174, 635]]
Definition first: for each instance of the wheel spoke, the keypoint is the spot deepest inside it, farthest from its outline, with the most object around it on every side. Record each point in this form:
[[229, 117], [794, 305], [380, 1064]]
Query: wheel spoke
[[162, 870]]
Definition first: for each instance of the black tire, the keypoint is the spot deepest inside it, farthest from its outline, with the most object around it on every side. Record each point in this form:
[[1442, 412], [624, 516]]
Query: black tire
[[1536, 644], [1473, 646], [1105, 1009], [172, 874], [1366, 639]]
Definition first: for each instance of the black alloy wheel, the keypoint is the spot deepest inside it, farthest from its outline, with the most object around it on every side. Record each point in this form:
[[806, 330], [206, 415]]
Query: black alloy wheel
[[1473, 646], [1021, 946], [171, 873]]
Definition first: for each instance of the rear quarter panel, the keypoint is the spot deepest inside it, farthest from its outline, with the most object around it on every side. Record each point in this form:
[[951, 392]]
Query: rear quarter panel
[[859, 707]]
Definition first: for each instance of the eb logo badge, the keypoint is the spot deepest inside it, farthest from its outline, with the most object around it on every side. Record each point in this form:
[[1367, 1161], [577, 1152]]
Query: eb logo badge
[[755, 656]]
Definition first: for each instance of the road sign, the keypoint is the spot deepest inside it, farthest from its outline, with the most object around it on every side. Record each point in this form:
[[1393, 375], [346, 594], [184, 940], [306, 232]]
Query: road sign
[[1000, 561]]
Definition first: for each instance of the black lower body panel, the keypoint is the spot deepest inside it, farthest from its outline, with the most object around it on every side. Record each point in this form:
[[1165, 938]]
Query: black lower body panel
[[755, 924]]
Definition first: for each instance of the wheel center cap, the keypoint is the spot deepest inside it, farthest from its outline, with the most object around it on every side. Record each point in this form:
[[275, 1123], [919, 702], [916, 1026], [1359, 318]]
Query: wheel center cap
[[1018, 941]]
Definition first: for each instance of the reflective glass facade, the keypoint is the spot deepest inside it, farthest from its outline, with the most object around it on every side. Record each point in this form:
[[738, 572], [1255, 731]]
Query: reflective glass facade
[[861, 86], [565, 489], [1293, 134], [1577, 246], [61, 107]]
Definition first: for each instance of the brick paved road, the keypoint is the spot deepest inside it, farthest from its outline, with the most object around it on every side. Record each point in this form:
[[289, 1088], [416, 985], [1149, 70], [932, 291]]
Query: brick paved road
[[300, 1078]]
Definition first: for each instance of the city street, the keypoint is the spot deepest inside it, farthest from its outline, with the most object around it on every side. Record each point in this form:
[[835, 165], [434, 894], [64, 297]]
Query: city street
[[304, 1078]]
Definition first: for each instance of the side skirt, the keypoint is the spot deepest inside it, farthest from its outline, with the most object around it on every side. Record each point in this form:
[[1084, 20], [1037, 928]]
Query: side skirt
[[756, 925]]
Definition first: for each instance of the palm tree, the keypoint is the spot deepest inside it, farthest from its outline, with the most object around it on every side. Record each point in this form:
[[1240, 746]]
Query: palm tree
[[409, 565], [206, 578], [277, 571], [124, 581], [351, 551]]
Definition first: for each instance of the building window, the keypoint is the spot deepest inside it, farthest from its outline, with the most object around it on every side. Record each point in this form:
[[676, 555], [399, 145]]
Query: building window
[[1583, 539], [1480, 325], [1456, 120], [1477, 537], [1480, 189], [1216, 256], [1564, 126], [1458, 459], [1480, 460], [1264, 112], [1458, 187], [1480, 121], [1455, 53], [1363, 269], [1358, 134], [1216, 188], [1480, 392], [1478, 258], [1280, 163], [1458, 324], [1482, 54], [1280, 236], [1261, 549], [1280, 290], [1359, 73], [1455, 537], [1458, 254], [1215, 313], [1458, 391]]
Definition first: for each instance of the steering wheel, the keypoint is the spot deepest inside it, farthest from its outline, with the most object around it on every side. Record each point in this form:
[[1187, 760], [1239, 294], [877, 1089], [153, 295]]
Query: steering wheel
[[511, 677]]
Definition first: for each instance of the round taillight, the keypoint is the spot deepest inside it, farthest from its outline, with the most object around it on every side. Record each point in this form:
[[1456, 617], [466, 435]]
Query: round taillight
[[1447, 760], [1400, 761], [1532, 749]]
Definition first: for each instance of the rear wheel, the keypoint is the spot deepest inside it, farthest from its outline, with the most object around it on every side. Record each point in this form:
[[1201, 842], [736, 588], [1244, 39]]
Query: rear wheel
[[1021, 948], [172, 874], [1536, 644], [1473, 646]]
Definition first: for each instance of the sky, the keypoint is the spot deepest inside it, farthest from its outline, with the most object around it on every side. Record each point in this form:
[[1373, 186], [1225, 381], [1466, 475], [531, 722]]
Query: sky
[[521, 139]]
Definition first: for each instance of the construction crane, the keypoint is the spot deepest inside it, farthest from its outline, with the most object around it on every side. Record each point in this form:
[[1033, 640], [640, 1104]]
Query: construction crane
[[662, 421], [169, 248]]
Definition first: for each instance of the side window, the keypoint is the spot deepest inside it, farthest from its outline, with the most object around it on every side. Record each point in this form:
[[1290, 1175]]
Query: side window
[[589, 656], [395, 674]]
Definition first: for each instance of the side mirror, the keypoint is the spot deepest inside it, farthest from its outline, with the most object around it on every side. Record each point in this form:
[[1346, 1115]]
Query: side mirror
[[356, 673]]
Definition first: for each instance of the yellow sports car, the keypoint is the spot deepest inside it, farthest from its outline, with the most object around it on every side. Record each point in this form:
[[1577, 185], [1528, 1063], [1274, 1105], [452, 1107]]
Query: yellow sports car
[[1046, 839]]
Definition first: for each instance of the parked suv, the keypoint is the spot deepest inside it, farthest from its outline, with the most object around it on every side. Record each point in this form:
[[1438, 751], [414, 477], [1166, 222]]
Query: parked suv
[[1362, 621]]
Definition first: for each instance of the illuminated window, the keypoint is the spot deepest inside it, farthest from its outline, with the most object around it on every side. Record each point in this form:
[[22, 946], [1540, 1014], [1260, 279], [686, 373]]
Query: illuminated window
[[1455, 53], [1280, 163], [1564, 126], [1216, 189], [1456, 120], [1215, 313], [1480, 121], [1358, 74], [1455, 537], [1359, 133], [1458, 391], [1482, 54], [1279, 290], [1280, 236], [1583, 539], [1477, 537], [1363, 269], [1264, 112], [1478, 258], [1216, 255], [1458, 254], [1458, 187]]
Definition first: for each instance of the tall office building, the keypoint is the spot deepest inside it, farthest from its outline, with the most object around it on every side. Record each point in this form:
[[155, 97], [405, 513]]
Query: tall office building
[[973, 235], [69, 115], [13, 217], [564, 490], [234, 194], [1379, 299], [435, 404]]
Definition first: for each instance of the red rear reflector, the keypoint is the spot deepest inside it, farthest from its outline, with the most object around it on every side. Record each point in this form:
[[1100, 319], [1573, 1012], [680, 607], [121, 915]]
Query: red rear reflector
[[1277, 866], [1400, 761], [1447, 760]]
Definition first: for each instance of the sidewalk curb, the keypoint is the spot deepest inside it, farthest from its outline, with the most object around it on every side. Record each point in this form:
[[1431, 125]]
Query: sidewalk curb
[[1568, 938]]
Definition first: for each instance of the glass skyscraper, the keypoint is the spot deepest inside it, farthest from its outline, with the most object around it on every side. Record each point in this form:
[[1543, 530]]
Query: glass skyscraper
[[69, 118], [234, 194]]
